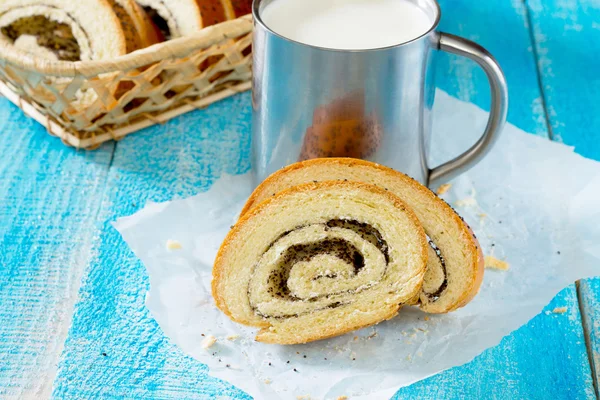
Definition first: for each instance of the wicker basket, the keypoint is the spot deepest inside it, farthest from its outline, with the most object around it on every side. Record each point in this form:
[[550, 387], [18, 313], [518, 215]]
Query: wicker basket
[[131, 92]]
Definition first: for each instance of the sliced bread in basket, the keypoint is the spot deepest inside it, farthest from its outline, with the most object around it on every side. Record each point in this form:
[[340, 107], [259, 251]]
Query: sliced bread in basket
[[63, 29], [176, 18]]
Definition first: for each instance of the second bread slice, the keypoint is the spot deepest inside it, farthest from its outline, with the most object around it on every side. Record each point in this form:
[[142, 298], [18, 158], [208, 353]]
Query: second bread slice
[[455, 266]]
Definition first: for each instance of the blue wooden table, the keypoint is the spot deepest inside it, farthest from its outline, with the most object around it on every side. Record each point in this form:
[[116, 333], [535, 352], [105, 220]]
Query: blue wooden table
[[73, 324]]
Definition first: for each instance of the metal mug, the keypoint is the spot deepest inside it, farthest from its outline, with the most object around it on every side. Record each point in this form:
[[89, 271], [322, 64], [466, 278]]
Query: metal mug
[[374, 104]]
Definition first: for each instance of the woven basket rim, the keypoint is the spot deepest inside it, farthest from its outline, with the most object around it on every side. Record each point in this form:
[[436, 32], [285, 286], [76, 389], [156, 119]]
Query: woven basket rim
[[179, 47]]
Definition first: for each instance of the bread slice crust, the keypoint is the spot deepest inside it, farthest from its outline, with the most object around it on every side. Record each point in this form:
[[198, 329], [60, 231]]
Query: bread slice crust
[[242, 7], [215, 11]]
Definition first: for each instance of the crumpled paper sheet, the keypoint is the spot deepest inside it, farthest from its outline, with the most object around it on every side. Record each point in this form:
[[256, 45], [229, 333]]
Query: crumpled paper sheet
[[531, 202]]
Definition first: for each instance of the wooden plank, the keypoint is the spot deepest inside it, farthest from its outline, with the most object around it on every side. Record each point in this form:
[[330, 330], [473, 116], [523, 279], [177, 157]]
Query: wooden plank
[[49, 196], [501, 27], [545, 358], [566, 38], [566, 34], [114, 348], [513, 369], [589, 296]]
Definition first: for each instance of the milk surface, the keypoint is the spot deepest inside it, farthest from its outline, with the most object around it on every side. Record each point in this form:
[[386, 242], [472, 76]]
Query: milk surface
[[347, 24]]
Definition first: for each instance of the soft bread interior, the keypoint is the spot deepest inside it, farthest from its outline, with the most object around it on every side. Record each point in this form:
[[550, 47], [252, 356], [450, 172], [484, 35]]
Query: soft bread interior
[[455, 267], [319, 260]]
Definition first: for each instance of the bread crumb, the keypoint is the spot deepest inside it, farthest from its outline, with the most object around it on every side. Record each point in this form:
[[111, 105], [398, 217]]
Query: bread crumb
[[173, 245], [467, 201], [414, 335], [267, 381], [208, 341], [482, 215], [342, 398], [232, 337], [493, 263], [560, 310], [426, 318], [444, 188], [372, 335], [355, 338], [303, 397], [408, 358]]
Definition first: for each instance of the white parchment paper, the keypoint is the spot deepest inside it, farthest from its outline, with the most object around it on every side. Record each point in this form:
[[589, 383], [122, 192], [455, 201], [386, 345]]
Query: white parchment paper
[[531, 202]]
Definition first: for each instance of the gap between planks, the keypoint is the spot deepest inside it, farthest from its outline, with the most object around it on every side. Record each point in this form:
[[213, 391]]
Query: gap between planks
[[587, 328], [538, 72]]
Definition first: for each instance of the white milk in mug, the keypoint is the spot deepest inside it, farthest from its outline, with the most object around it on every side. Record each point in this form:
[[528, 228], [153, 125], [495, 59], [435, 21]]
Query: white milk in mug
[[347, 24]]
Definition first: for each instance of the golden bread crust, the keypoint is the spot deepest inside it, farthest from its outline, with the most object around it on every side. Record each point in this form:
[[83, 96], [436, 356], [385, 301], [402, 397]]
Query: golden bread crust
[[214, 11], [241, 7], [265, 336]]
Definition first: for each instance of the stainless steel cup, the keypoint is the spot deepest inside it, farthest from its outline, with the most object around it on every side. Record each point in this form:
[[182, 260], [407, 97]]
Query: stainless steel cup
[[374, 104]]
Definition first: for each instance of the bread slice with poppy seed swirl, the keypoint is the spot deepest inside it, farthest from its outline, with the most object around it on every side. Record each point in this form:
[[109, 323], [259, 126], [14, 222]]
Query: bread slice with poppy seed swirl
[[176, 18], [137, 26], [173, 18], [63, 30], [455, 266], [319, 260]]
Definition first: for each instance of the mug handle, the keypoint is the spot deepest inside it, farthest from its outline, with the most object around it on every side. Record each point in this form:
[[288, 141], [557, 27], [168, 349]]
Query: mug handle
[[499, 94]]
